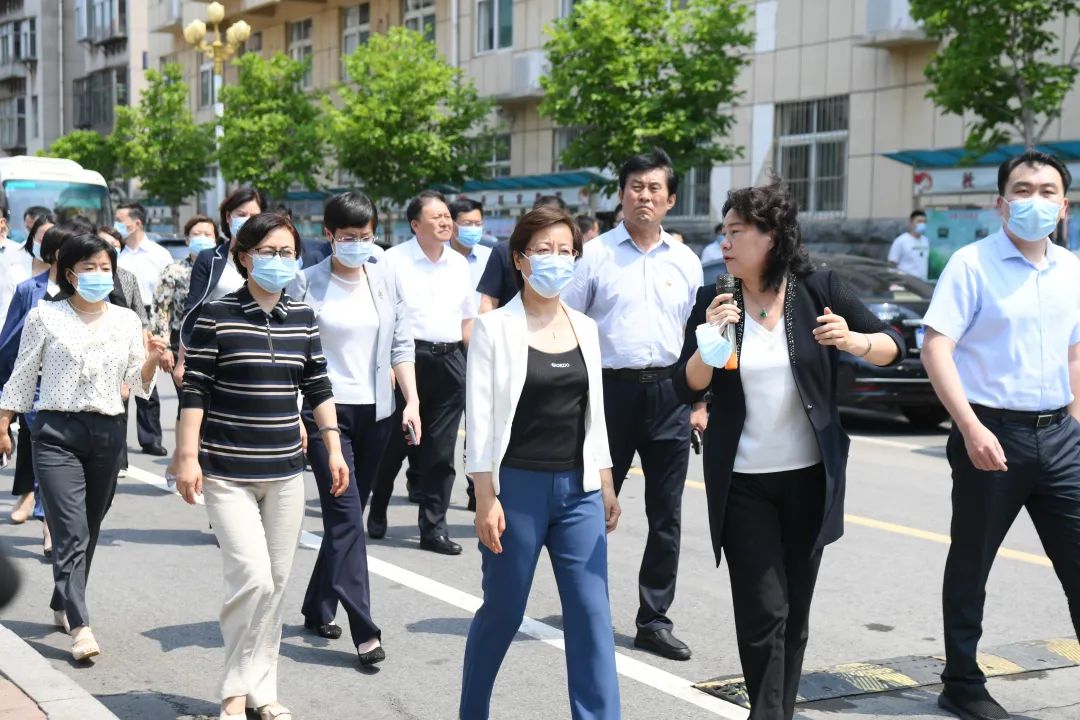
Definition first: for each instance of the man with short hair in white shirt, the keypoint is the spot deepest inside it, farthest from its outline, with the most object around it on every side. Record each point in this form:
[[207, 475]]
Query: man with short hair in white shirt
[[910, 251], [146, 260], [714, 252], [1003, 352], [441, 297]]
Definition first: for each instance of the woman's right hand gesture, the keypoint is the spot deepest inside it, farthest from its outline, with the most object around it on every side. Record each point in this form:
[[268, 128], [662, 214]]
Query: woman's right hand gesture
[[722, 311], [490, 522], [189, 479]]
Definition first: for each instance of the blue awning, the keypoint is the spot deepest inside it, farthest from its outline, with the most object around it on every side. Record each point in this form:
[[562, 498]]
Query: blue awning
[[1068, 151]]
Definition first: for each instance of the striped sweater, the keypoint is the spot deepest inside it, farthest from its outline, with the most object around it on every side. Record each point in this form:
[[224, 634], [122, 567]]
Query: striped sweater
[[243, 368]]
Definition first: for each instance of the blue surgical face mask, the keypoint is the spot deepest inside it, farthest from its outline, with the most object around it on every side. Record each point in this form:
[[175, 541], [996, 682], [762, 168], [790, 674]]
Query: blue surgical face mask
[[235, 223], [1032, 219], [469, 235], [550, 274], [920, 228], [714, 347], [198, 243], [122, 229], [94, 286], [273, 274], [353, 254]]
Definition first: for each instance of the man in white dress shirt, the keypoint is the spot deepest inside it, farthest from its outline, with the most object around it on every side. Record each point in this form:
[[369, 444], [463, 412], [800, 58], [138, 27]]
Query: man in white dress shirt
[[910, 251], [441, 298], [713, 251], [146, 260]]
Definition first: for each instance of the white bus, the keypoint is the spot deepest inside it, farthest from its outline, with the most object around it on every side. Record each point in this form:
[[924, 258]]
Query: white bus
[[62, 186]]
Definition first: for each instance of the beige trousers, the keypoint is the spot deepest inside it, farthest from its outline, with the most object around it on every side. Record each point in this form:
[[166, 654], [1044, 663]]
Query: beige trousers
[[258, 527]]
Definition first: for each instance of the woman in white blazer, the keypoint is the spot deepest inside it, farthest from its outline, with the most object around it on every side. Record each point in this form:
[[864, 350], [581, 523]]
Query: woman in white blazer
[[537, 448]]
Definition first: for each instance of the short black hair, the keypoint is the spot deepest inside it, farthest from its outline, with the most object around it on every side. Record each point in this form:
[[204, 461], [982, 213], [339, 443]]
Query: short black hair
[[199, 219], [655, 159], [772, 210], [76, 248], [549, 201], [416, 205], [719, 229], [135, 211], [350, 209], [533, 222], [82, 224], [111, 232], [1032, 158], [917, 213], [46, 219], [235, 199], [36, 211], [464, 205], [585, 223], [282, 209], [54, 238], [255, 231]]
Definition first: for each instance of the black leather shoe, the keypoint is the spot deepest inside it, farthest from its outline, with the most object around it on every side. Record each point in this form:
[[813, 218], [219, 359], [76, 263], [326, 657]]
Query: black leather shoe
[[440, 544], [376, 526], [155, 449], [371, 657], [663, 643], [330, 631], [971, 704]]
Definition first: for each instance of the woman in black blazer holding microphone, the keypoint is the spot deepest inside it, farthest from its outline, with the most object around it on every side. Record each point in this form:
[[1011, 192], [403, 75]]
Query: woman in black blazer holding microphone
[[775, 453]]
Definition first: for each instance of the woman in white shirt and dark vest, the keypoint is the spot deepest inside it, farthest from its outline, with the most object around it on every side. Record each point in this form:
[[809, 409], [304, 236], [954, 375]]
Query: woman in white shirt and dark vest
[[366, 337], [83, 349], [775, 454], [537, 449]]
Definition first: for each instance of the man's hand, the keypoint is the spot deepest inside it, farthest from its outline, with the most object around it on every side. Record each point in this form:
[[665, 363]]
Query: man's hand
[[984, 449]]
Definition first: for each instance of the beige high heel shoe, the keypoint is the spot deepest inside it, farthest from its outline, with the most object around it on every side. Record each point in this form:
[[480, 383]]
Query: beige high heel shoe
[[23, 508]]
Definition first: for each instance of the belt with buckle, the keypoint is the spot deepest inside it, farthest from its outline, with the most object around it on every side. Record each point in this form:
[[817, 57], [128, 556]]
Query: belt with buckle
[[437, 348], [1035, 419], [648, 375]]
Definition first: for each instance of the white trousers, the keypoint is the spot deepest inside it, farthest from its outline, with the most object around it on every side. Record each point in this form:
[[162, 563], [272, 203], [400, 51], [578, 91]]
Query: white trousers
[[258, 527]]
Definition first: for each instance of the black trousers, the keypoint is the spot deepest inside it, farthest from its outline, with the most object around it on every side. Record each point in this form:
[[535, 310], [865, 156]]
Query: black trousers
[[440, 384], [1044, 477], [148, 419], [341, 570], [23, 481], [397, 450], [76, 457], [771, 527], [649, 419]]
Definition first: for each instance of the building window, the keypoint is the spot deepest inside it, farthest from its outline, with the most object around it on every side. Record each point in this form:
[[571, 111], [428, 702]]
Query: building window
[[692, 199], [495, 151], [13, 123], [25, 39], [420, 16], [7, 43], [494, 25], [35, 121], [355, 30], [301, 47], [563, 138], [206, 84], [811, 153], [96, 98], [82, 29], [568, 7], [252, 44]]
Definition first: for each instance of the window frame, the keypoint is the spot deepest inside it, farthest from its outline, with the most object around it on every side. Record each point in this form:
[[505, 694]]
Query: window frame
[[815, 139], [496, 10], [414, 13], [302, 49], [361, 31]]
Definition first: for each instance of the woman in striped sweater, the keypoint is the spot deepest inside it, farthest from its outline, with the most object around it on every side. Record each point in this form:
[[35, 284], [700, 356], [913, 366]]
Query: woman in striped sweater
[[250, 352]]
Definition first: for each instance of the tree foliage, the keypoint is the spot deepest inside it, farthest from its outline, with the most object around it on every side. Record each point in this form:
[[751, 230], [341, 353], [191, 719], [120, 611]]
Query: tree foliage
[[407, 118], [274, 135], [1002, 63], [160, 144], [633, 74], [92, 150]]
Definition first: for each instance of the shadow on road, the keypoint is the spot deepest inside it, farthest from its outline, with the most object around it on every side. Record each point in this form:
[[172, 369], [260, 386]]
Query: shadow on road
[[155, 705], [171, 637]]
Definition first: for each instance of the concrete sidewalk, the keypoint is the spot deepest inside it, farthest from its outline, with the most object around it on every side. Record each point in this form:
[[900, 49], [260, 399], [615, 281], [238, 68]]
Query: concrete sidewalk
[[32, 689]]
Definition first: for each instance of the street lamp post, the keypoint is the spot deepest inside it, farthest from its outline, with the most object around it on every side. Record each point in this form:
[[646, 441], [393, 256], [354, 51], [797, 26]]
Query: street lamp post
[[217, 51]]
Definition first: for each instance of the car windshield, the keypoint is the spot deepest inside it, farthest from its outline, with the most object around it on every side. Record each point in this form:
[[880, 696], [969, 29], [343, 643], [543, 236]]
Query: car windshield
[[880, 282], [64, 199]]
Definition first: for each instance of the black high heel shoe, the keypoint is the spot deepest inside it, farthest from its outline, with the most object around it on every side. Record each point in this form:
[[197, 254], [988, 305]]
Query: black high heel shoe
[[330, 631]]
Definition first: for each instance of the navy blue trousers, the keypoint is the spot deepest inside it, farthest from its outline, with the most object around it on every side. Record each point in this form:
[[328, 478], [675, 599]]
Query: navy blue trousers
[[547, 509], [341, 570]]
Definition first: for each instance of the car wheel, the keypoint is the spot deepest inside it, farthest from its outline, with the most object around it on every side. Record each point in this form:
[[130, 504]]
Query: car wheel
[[928, 417]]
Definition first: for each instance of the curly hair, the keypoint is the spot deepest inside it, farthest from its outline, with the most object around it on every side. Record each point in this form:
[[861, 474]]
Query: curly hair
[[772, 210]]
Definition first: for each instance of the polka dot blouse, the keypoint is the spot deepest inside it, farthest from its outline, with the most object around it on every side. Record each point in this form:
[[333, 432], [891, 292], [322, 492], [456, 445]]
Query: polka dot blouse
[[81, 367]]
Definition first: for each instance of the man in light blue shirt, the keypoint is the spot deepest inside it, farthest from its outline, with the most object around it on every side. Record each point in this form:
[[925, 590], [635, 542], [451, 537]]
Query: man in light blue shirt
[[714, 251], [640, 286], [1003, 352]]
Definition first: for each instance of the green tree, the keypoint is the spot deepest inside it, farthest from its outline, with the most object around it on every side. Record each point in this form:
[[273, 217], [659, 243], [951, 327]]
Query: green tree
[[274, 135], [160, 144], [1001, 63], [407, 118], [633, 74], [92, 150]]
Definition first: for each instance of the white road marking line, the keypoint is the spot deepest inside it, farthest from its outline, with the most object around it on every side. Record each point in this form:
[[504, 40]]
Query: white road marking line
[[627, 666]]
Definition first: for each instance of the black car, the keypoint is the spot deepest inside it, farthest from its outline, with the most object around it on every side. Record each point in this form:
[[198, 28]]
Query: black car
[[901, 301]]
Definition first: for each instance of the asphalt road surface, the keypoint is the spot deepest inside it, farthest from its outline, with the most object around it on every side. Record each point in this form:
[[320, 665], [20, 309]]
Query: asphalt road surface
[[156, 586]]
